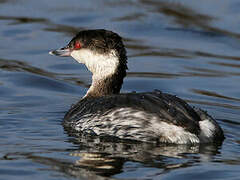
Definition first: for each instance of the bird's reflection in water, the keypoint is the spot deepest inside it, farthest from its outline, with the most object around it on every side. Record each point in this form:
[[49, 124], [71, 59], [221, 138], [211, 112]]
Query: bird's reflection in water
[[99, 163], [106, 156], [102, 158]]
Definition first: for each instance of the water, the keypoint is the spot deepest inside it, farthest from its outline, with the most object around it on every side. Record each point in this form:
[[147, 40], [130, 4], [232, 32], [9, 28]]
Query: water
[[187, 48]]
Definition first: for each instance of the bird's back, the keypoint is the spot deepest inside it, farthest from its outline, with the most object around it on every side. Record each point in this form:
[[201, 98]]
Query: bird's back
[[151, 117]]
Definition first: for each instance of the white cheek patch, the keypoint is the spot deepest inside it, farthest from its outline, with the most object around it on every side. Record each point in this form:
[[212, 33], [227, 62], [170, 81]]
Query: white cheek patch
[[98, 64], [77, 55]]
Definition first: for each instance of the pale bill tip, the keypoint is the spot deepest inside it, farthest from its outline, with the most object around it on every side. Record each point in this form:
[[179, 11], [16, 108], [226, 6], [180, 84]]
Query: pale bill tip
[[50, 52]]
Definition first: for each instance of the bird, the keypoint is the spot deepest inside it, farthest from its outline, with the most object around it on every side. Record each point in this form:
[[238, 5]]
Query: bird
[[151, 117]]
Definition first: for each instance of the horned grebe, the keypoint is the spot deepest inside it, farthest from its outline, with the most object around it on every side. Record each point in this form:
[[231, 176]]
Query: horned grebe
[[150, 117]]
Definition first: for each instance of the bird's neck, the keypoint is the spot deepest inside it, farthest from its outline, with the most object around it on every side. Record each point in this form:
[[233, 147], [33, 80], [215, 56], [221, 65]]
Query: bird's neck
[[102, 86], [108, 72]]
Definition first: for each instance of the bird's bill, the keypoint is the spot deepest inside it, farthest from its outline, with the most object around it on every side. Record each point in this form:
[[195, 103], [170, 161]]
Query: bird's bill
[[63, 52]]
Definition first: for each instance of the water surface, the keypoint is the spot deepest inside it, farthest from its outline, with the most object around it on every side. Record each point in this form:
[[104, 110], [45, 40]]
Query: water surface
[[187, 48]]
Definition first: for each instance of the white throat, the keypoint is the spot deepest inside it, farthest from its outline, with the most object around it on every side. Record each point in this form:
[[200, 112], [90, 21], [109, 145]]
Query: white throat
[[101, 65]]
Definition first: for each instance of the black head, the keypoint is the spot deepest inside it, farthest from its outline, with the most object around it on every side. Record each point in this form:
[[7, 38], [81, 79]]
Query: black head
[[98, 40], [96, 47]]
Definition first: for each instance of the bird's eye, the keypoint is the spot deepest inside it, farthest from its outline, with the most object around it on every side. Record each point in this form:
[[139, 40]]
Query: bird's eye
[[77, 45]]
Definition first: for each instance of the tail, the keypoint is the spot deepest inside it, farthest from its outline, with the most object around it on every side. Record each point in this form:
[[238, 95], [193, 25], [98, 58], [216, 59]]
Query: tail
[[210, 131]]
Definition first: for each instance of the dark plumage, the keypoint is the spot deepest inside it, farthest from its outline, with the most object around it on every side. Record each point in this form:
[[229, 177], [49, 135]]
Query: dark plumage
[[151, 117], [165, 107]]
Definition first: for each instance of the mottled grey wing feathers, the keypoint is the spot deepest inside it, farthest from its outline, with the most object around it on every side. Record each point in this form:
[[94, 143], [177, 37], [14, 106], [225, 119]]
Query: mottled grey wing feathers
[[166, 107]]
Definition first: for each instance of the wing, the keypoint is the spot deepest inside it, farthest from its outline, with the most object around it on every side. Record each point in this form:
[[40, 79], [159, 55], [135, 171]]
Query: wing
[[164, 107]]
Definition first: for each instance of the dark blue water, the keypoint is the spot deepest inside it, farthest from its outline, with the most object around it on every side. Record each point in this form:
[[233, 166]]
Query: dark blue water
[[187, 48]]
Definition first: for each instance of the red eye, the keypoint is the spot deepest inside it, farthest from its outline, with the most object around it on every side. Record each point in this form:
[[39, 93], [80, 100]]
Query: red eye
[[77, 45]]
